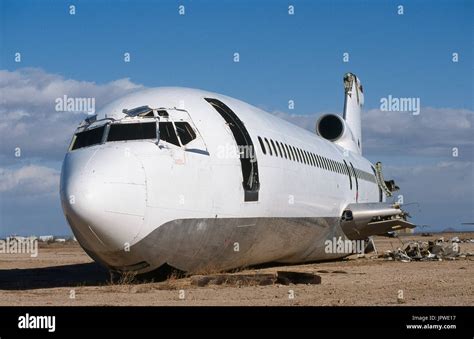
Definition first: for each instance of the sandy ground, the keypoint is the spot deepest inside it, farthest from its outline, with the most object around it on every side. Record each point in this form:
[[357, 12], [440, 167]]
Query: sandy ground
[[63, 271]]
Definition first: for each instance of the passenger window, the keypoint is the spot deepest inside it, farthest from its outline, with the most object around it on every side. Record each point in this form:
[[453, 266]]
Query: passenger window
[[269, 148], [167, 133], [274, 148], [284, 150], [288, 152], [295, 153], [262, 146], [279, 149], [88, 138], [292, 152], [185, 132]]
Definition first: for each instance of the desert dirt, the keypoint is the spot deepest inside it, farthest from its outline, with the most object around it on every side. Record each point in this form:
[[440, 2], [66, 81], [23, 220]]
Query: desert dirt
[[63, 274]]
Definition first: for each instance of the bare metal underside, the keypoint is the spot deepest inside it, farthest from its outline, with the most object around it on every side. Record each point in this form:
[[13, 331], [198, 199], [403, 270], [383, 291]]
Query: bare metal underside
[[203, 245]]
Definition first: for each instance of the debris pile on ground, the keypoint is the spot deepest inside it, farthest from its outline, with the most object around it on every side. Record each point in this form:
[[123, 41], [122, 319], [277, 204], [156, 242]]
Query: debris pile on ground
[[463, 240], [281, 277], [432, 250]]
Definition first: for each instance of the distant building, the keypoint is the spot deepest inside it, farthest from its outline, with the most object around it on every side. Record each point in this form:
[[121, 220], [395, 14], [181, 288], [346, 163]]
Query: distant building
[[45, 238], [60, 240], [406, 231]]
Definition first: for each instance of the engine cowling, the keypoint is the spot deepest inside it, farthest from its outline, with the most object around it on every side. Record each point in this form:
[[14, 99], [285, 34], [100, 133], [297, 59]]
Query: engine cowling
[[334, 128]]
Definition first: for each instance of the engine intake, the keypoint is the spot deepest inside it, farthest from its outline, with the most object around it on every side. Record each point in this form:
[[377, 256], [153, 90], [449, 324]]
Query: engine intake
[[334, 128], [330, 127]]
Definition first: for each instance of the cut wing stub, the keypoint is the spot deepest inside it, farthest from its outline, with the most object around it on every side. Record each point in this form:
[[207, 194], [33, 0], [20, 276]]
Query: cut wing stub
[[360, 221]]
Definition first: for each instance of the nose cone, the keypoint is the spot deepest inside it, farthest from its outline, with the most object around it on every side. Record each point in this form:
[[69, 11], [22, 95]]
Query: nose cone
[[103, 195]]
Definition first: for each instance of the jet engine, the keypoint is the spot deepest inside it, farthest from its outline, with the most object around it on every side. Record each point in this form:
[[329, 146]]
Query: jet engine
[[334, 128]]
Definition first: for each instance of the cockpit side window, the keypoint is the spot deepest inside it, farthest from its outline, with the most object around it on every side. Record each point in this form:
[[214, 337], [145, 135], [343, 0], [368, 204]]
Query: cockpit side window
[[88, 138], [185, 132], [168, 134], [135, 131]]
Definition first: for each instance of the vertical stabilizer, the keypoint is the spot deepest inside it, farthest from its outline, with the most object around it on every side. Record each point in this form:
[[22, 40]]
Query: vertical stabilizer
[[353, 102]]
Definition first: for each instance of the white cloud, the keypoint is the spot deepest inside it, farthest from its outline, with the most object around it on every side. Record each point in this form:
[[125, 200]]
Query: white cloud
[[30, 180], [439, 195], [449, 181], [28, 118], [434, 132]]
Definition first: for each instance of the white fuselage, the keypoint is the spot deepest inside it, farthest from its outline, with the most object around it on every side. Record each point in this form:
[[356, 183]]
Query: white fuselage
[[141, 204]]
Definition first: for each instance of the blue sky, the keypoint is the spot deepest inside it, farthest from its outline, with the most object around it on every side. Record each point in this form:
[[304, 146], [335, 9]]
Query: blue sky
[[282, 57]]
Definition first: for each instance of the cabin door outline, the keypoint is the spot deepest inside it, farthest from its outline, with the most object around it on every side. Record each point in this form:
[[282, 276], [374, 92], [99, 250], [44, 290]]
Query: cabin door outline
[[247, 154]]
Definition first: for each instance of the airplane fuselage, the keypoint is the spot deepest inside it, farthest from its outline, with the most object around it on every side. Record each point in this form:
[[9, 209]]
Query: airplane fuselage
[[140, 204]]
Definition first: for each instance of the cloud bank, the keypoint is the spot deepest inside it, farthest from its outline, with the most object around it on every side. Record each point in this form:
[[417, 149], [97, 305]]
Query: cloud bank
[[434, 132], [28, 118], [29, 180]]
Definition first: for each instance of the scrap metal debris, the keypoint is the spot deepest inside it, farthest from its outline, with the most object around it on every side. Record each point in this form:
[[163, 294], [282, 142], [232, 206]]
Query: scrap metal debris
[[281, 277], [432, 250], [233, 279]]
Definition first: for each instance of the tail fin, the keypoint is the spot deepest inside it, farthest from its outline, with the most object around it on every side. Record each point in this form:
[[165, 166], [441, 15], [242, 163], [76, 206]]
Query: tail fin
[[353, 102]]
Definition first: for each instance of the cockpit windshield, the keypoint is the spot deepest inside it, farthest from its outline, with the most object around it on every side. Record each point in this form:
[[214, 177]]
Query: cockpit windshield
[[134, 131], [88, 138], [140, 123]]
